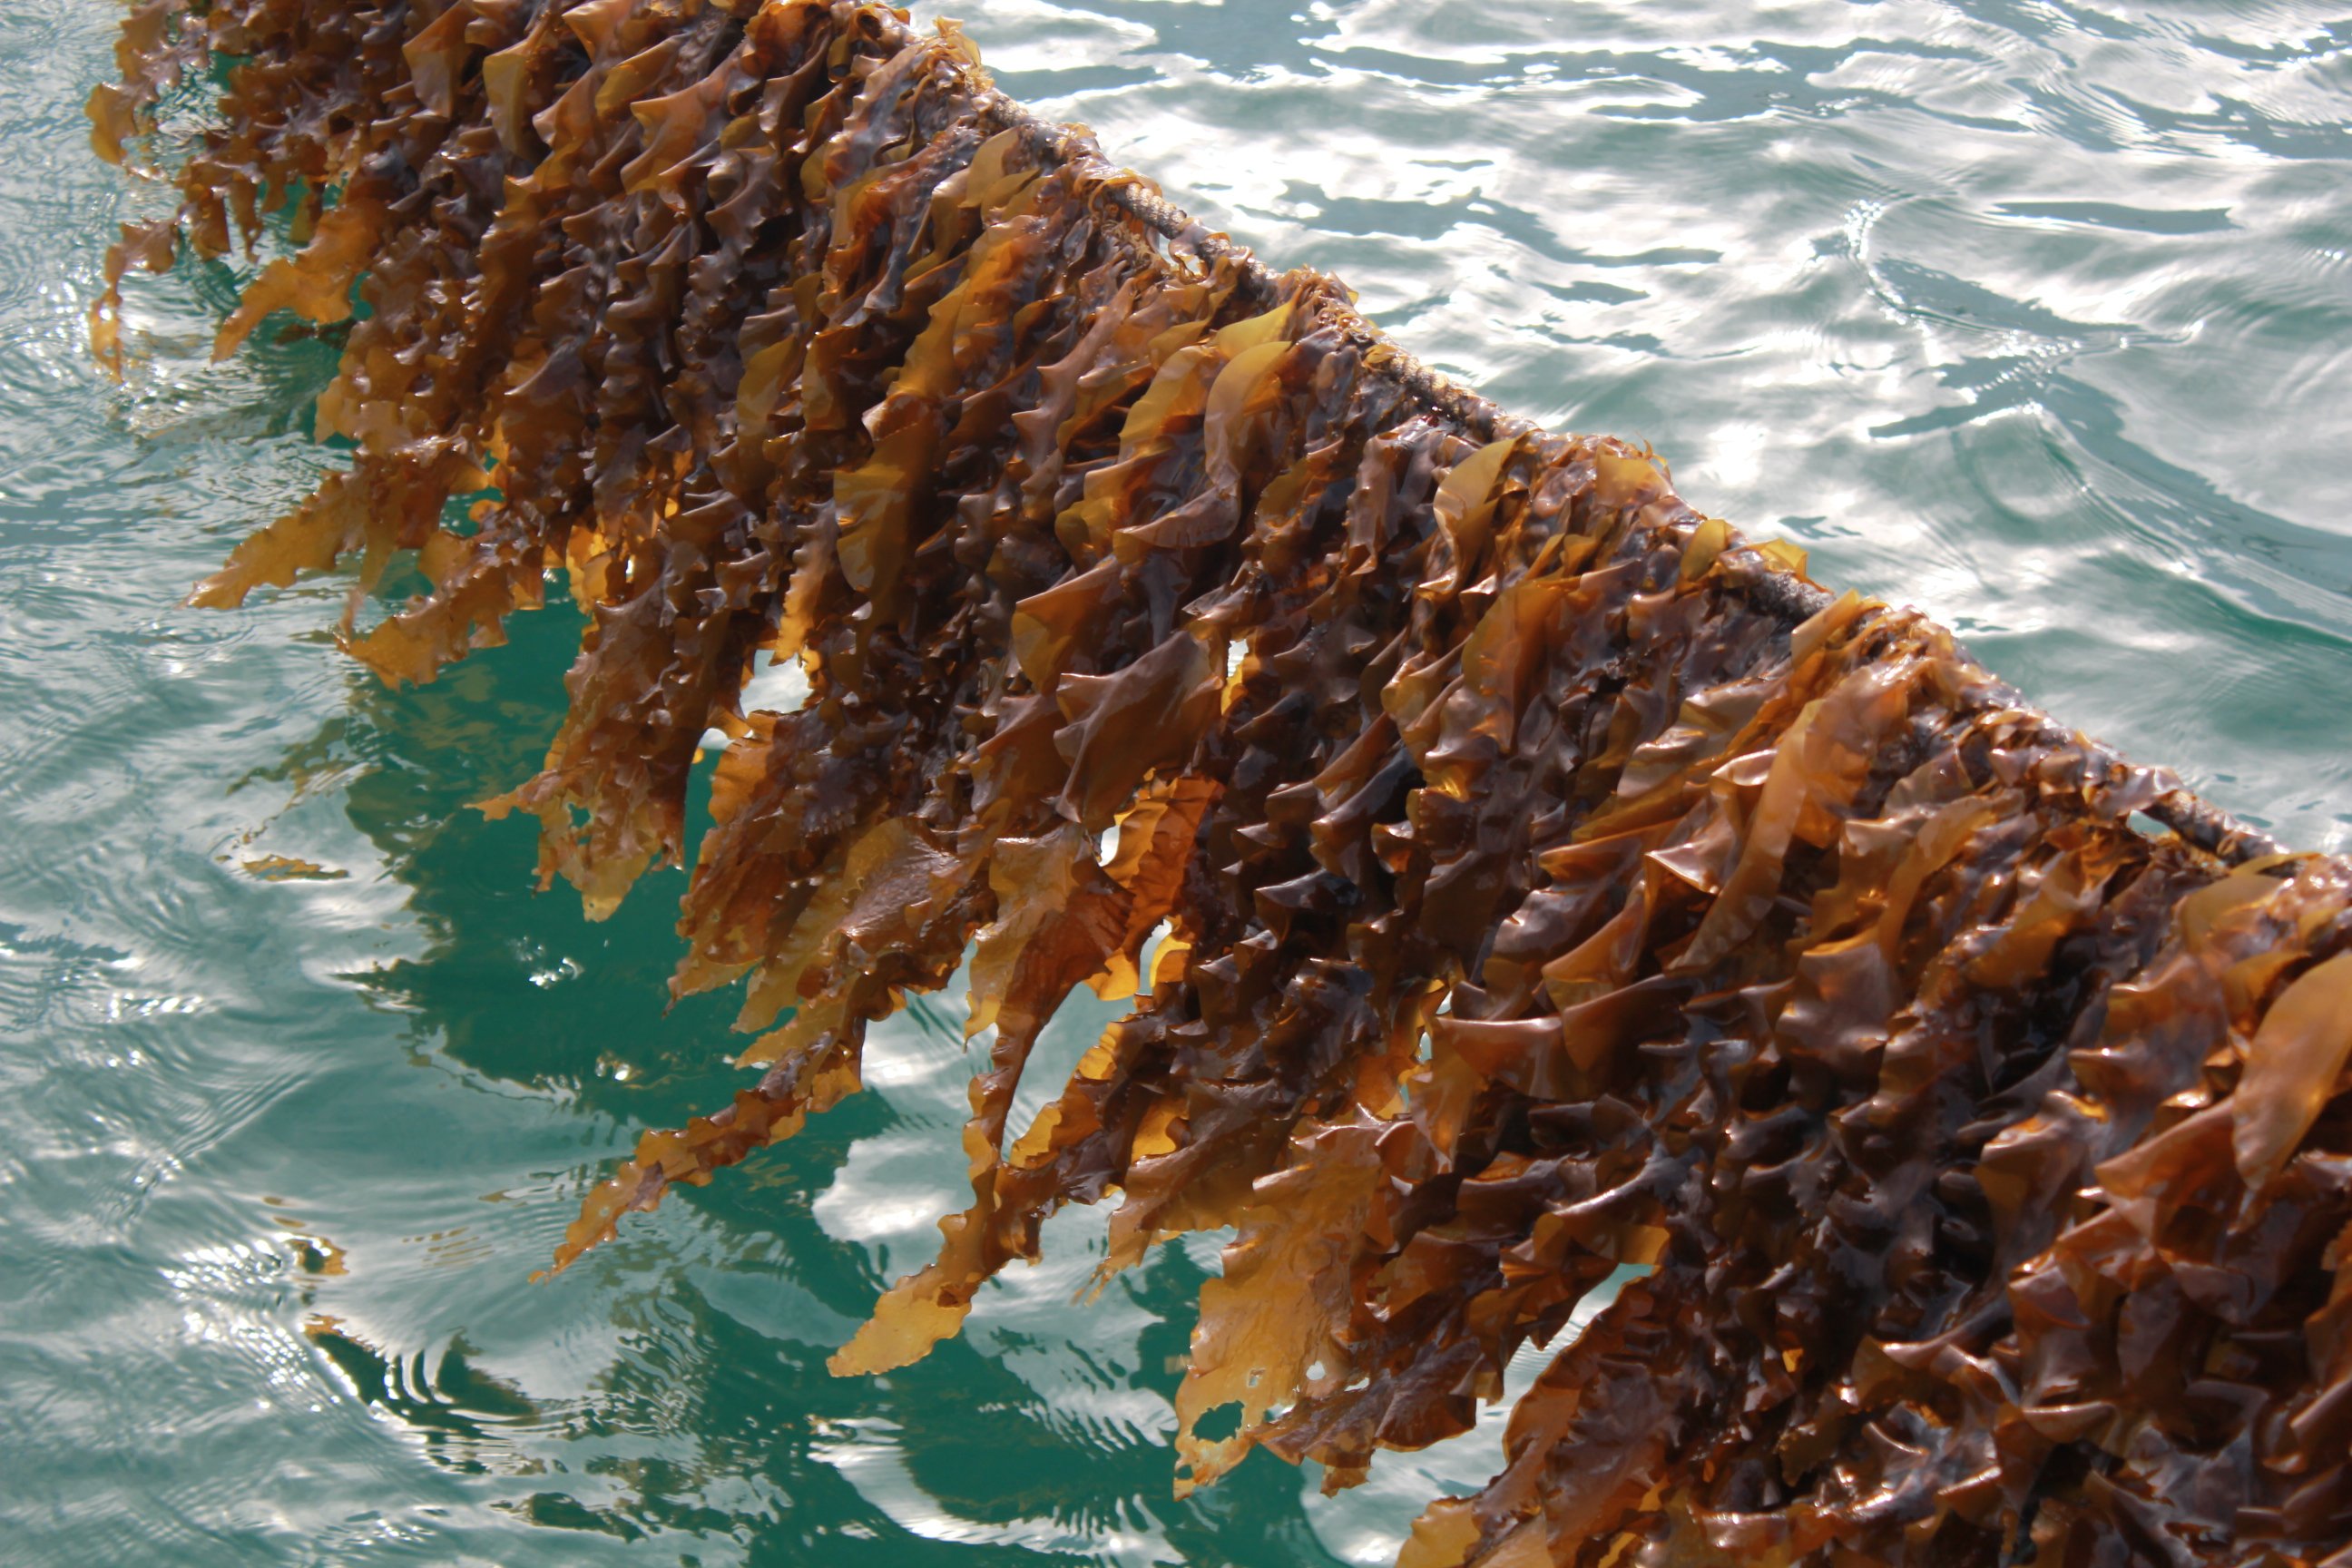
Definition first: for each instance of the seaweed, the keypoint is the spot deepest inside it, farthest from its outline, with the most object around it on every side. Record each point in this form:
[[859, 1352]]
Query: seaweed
[[1517, 876]]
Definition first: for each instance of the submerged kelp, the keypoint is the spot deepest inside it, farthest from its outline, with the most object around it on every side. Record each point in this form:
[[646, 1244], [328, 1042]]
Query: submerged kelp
[[1517, 876]]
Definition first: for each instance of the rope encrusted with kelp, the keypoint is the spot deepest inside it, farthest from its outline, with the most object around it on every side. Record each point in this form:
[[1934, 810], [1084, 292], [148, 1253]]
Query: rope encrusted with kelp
[[1516, 874]]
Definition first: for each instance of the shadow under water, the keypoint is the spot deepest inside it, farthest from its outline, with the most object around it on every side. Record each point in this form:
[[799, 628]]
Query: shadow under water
[[1041, 1437]]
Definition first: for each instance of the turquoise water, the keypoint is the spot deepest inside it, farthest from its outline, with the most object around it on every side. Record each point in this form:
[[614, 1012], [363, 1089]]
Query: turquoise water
[[2037, 315]]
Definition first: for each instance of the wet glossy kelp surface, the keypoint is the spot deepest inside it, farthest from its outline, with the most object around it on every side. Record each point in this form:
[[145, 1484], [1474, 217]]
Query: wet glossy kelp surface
[[1962, 778]]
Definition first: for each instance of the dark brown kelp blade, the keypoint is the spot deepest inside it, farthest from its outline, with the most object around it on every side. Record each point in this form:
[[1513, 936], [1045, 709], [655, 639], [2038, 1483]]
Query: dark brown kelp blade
[[1516, 874]]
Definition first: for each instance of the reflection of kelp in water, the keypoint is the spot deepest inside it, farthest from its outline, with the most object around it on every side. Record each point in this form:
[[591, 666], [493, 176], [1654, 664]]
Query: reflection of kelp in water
[[1549, 879], [715, 1407]]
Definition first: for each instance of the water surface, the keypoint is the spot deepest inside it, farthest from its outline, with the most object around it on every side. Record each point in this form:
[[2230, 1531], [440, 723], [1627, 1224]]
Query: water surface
[[2037, 315]]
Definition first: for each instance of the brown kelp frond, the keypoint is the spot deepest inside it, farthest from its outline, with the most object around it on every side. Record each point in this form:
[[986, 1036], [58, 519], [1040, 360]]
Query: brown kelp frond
[[1517, 877]]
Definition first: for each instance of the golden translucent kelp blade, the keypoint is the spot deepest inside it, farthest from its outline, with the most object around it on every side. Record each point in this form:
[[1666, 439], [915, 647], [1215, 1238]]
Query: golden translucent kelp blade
[[1517, 876]]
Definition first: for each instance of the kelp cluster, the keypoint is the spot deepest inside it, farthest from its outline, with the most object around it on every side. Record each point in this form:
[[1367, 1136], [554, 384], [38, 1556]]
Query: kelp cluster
[[1517, 876]]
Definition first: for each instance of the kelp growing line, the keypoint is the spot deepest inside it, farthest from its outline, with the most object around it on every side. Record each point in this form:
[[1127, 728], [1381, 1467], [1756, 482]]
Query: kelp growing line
[[1516, 874]]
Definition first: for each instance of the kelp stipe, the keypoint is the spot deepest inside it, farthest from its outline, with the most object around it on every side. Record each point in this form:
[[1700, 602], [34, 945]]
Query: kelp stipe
[[1516, 874]]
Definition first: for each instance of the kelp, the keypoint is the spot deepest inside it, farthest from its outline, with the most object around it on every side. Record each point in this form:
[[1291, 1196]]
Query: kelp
[[1517, 878]]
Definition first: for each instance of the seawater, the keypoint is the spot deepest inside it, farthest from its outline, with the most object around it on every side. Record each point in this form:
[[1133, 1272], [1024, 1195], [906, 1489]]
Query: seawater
[[2037, 315]]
